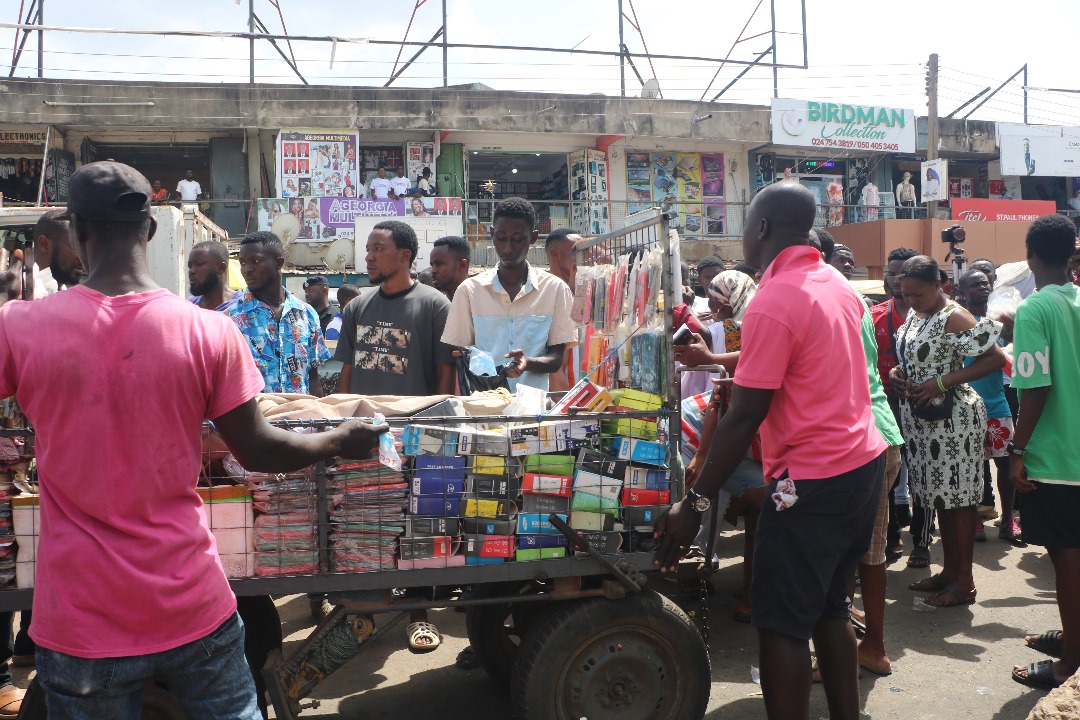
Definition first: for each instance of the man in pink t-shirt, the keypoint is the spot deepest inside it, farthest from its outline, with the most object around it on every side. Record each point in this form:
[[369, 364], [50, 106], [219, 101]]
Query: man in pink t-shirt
[[117, 376], [802, 378]]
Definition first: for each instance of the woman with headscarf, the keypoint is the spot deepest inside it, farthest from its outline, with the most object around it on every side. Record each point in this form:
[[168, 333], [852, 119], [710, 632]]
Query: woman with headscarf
[[730, 292]]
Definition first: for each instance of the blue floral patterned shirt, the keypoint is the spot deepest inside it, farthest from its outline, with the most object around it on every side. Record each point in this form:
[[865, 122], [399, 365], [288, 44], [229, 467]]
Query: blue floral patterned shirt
[[285, 350]]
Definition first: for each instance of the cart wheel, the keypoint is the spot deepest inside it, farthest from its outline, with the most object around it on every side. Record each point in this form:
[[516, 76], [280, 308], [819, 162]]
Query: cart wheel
[[640, 658], [158, 704], [496, 632]]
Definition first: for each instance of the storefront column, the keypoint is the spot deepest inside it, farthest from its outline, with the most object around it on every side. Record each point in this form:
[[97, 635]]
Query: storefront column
[[252, 150]]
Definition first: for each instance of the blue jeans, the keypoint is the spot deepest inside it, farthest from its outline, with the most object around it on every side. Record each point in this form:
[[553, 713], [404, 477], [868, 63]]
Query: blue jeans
[[210, 678]]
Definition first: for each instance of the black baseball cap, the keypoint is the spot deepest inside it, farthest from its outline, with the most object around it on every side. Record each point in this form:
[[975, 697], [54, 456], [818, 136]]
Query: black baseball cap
[[316, 280], [108, 191]]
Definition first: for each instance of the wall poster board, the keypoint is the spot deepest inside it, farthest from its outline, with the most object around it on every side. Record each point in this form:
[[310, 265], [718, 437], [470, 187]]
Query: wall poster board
[[316, 163]]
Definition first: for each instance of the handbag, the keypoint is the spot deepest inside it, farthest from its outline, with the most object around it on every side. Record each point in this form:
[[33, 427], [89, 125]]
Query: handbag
[[932, 411]]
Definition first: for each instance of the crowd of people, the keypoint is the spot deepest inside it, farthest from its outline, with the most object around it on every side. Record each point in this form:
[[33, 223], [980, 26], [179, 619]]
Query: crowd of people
[[940, 391], [828, 448]]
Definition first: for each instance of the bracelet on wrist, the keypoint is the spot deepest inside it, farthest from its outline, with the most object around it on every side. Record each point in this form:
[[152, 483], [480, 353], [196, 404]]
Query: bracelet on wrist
[[941, 385]]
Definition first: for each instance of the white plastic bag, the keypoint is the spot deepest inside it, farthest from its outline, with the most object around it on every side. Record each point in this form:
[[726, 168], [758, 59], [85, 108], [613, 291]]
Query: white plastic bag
[[1002, 303]]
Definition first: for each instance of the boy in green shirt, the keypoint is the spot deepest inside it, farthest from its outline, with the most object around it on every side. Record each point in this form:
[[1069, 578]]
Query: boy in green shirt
[[1046, 371]]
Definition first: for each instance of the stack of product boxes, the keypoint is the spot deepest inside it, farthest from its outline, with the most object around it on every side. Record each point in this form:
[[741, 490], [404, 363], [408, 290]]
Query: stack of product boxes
[[494, 490], [433, 523], [640, 444]]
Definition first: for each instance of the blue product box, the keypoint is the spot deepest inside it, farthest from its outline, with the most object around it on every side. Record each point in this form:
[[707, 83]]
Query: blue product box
[[474, 560], [436, 486], [642, 451], [641, 478], [436, 505], [452, 467], [536, 524]]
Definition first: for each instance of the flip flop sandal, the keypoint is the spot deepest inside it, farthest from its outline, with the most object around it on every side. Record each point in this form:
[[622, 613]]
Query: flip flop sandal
[[919, 558], [934, 583], [420, 630], [859, 625], [1039, 675], [951, 596], [1049, 643], [740, 616]]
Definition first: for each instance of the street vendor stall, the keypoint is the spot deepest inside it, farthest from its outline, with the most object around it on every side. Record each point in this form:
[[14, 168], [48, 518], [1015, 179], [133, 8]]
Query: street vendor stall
[[546, 510]]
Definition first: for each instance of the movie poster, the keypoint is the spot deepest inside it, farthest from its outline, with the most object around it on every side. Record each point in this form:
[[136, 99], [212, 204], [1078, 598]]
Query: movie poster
[[690, 185], [420, 155], [313, 164]]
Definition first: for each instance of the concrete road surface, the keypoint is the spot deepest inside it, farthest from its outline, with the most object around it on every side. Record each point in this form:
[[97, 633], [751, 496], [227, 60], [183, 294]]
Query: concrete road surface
[[950, 664]]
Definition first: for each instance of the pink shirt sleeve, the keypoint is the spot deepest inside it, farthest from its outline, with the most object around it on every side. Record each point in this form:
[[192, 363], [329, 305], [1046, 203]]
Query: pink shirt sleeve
[[235, 379], [768, 347], [7, 360]]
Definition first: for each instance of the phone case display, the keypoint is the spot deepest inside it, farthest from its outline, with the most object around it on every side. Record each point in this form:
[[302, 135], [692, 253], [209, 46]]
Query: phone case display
[[589, 211], [691, 184], [314, 163], [419, 155]]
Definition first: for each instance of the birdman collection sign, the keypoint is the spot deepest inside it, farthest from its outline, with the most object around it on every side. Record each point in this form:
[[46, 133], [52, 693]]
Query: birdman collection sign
[[818, 124]]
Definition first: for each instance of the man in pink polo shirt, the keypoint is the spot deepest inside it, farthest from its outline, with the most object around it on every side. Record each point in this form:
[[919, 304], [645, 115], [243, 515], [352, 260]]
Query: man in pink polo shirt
[[802, 378], [117, 376]]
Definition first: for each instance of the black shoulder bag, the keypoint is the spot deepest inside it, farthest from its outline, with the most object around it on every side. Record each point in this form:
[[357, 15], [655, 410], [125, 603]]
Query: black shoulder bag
[[934, 412]]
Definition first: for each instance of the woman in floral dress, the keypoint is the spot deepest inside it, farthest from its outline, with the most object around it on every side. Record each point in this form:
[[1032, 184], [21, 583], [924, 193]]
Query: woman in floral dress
[[944, 456]]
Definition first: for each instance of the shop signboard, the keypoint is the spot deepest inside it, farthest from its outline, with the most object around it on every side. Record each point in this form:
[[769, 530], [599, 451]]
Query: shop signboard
[[826, 124], [327, 219], [57, 175], [23, 140], [1044, 151], [986, 210], [318, 163], [935, 181]]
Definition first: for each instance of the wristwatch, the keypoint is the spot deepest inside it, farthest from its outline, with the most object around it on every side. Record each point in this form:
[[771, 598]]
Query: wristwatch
[[1013, 450], [698, 501]]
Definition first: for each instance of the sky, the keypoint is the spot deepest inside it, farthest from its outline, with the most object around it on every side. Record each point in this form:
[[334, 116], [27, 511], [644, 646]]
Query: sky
[[867, 53]]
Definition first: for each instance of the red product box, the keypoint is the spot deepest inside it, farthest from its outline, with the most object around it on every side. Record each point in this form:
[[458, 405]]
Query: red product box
[[501, 546], [632, 497], [537, 484]]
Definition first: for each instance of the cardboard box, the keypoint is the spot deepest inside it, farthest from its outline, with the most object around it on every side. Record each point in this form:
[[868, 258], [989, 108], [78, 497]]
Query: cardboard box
[[553, 436], [639, 517], [591, 482], [638, 400], [492, 486], [445, 467], [435, 562], [604, 542], [547, 484], [450, 407], [601, 463], [539, 554], [435, 505], [488, 526], [647, 478], [605, 499], [631, 427], [492, 465], [483, 442], [545, 504], [642, 451], [490, 508], [550, 464], [418, 548], [634, 497], [585, 396], [416, 526], [436, 486], [534, 524], [529, 542], [500, 546], [429, 440], [591, 521]]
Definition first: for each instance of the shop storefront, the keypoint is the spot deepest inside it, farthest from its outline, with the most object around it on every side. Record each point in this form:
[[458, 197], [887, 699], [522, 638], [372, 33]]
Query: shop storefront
[[22, 160], [842, 153]]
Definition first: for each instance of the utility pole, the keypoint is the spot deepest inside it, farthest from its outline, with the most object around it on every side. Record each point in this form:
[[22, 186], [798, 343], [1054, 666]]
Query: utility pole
[[445, 64], [931, 122], [251, 41], [622, 54], [41, 41], [775, 71]]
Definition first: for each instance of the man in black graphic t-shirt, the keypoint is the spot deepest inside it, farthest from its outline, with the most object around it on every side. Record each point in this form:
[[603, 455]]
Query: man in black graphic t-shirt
[[390, 337]]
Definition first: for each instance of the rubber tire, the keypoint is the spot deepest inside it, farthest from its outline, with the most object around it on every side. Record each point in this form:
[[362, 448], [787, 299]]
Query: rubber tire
[[158, 704], [486, 626], [561, 669]]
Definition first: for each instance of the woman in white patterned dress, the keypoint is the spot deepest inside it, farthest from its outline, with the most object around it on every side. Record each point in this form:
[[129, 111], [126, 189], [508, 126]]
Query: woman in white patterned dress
[[944, 455]]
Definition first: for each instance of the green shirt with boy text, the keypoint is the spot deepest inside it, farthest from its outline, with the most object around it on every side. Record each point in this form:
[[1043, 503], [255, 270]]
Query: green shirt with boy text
[[1046, 353]]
